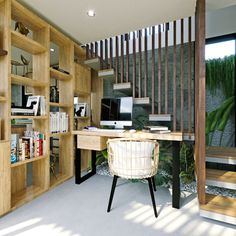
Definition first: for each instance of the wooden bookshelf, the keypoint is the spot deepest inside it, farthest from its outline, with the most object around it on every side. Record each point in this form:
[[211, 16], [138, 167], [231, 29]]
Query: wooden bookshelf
[[82, 117], [30, 117], [20, 80], [2, 99], [19, 163], [25, 43], [3, 52], [60, 179], [55, 74], [54, 104], [60, 134]]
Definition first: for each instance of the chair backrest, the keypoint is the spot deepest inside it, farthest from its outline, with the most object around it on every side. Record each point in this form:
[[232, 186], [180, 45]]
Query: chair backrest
[[133, 158]]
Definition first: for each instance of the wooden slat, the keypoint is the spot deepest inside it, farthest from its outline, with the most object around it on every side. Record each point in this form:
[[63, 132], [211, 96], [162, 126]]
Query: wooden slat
[[174, 76], [159, 69], [189, 75], [101, 54], [134, 65], [106, 53], [166, 68], [182, 76], [153, 69], [96, 49], [127, 57], [56, 74], [145, 64], [117, 59], [200, 89], [111, 53], [20, 80], [121, 58], [140, 64]]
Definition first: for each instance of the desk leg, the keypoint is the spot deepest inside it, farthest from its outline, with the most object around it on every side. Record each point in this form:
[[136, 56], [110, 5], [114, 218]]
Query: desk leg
[[176, 172], [78, 178]]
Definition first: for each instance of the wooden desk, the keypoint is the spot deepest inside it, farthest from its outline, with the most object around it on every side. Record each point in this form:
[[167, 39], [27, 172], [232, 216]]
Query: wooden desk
[[96, 141]]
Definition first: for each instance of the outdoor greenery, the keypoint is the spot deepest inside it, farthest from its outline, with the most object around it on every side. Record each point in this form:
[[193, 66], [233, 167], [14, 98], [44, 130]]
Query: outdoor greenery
[[220, 75]]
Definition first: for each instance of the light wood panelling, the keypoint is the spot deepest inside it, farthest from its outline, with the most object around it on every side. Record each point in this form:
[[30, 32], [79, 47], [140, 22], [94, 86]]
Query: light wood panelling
[[27, 161], [17, 79], [91, 142], [55, 74]]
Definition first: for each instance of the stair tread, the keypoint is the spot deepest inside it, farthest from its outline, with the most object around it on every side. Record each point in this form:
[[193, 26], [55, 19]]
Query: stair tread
[[220, 205], [221, 152], [221, 175]]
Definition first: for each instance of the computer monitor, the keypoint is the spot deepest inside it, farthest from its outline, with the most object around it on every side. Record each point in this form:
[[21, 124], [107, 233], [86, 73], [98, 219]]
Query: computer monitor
[[116, 112]]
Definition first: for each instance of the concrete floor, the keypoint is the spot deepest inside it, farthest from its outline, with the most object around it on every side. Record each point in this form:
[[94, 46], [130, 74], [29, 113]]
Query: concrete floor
[[80, 210]]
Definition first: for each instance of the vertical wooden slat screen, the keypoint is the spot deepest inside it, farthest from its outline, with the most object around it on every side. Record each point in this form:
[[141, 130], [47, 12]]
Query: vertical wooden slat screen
[[166, 67], [153, 70], [106, 53], [145, 63], [111, 53], [140, 63], [189, 75], [182, 76], [96, 49], [174, 76], [87, 51], [117, 58], [159, 69], [101, 54], [200, 93], [127, 57], [134, 65], [122, 58], [91, 50]]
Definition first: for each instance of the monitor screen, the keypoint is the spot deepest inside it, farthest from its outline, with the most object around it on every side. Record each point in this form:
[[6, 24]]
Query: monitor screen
[[117, 111]]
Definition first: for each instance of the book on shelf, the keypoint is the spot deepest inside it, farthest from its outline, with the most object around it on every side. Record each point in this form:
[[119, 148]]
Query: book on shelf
[[36, 105], [80, 109], [29, 146], [156, 128], [59, 122]]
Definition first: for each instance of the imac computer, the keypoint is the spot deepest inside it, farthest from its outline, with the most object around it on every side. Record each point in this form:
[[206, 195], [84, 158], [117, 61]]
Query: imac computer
[[116, 112]]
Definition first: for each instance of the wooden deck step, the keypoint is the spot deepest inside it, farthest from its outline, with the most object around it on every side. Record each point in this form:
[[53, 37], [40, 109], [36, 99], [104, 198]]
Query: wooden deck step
[[221, 178], [106, 74], [224, 155], [160, 117], [219, 208], [142, 101]]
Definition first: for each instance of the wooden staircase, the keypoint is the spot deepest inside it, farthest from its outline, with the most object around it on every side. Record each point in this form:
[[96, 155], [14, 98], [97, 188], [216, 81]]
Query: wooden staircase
[[218, 207]]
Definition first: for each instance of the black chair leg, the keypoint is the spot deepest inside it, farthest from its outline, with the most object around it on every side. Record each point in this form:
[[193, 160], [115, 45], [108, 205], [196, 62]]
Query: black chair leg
[[112, 192], [152, 196], [154, 184]]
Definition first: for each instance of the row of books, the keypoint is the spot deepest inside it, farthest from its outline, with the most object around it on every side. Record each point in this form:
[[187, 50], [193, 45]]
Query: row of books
[[31, 145], [36, 106], [59, 122]]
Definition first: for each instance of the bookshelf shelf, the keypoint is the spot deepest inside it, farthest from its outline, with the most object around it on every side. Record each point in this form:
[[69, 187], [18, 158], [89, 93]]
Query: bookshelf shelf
[[30, 117], [59, 75], [26, 44], [27, 194], [2, 99], [19, 163], [60, 179], [20, 80], [81, 93], [59, 134], [82, 117], [53, 104]]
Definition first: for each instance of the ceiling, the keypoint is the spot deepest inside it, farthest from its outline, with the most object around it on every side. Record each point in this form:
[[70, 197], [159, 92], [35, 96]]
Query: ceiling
[[113, 17]]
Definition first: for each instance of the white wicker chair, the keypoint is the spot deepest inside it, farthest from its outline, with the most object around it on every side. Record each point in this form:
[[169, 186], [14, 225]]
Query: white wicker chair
[[133, 159]]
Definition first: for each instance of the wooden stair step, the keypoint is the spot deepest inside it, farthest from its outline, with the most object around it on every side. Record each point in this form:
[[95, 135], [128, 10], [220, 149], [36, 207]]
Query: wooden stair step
[[122, 86], [221, 178], [160, 117], [219, 208], [224, 155], [106, 74], [93, 63], [142, 101]]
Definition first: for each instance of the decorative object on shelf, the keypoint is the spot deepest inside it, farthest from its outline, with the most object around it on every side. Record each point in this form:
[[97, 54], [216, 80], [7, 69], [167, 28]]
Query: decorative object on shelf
[[21, 28], [15, 64], [80, 109], [29, 89], [26, 64], [54, 94]]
